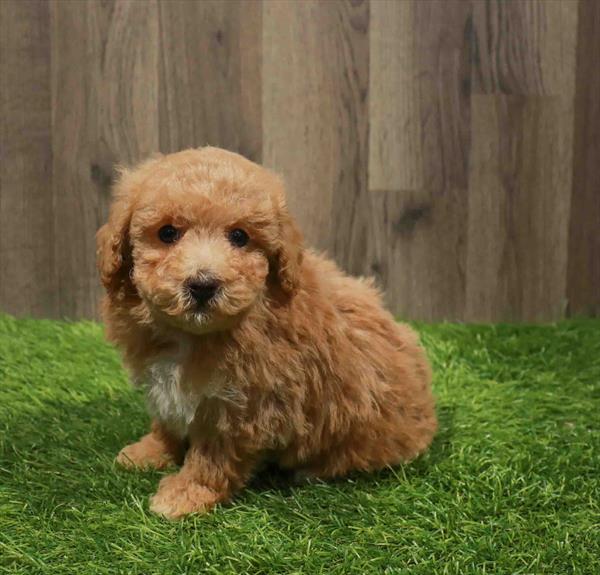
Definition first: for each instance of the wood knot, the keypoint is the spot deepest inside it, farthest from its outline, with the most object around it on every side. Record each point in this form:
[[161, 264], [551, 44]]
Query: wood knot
[[101, 177], [409, 218]]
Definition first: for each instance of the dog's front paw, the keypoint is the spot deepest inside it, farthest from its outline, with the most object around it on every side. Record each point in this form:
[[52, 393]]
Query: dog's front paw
[[179, 495], [148, 453]]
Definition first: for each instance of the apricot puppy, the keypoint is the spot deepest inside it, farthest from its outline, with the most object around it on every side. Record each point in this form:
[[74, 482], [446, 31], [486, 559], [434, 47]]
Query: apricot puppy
[[249, 345]]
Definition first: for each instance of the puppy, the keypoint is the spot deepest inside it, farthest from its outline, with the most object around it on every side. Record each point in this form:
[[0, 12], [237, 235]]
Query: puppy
[[250, 347]]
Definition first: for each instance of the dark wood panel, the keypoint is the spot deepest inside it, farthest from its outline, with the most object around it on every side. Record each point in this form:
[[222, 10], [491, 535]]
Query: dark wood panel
[[501, 62], [105, 111], [28, 283], [523, 48], [583, 279], [417, 235], [210, 75]]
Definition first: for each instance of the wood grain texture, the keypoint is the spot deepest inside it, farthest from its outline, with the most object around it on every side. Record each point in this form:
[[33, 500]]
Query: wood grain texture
[[520, 167], [105, 110], [449, 148], [583, 277], [210, 75], [518, 209], [523, 47], [28, 283], [395, 154], [315, 80], [417, 221]]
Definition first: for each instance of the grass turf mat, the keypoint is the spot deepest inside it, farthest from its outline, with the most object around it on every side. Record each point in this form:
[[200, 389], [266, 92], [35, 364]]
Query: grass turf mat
[[510, 485]]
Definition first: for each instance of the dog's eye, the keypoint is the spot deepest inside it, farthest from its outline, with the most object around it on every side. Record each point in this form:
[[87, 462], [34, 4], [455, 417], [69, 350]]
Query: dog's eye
[[238, 237], [168, 234]]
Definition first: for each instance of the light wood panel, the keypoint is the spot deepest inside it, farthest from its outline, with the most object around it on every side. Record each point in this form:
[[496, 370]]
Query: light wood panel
[[518, 209], [315, 65], [28, 282], [395, 153], [105, 111]]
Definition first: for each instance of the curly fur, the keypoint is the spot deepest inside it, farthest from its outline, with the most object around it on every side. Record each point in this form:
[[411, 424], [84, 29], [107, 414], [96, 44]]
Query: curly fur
[[293, 360]]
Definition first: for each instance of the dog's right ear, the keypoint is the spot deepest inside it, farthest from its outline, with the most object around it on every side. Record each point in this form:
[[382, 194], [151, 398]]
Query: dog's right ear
[[289, 255], [113, 250]]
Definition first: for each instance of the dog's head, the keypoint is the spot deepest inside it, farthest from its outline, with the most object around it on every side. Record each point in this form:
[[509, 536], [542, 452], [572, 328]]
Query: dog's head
[[196, 238]]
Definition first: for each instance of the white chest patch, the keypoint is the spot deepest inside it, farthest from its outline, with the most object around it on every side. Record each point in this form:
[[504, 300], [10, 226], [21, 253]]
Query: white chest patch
[[168, 401]]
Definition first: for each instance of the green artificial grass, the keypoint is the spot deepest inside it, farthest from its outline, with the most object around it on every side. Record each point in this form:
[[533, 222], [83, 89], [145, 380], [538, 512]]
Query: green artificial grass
[[510, 485]]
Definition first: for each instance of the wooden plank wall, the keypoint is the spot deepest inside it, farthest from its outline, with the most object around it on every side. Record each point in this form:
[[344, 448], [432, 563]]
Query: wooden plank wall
[[447, 147]]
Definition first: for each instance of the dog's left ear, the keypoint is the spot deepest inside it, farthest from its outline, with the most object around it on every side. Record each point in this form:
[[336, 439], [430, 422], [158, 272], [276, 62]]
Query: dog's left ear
[[113, 251], [290, 251]]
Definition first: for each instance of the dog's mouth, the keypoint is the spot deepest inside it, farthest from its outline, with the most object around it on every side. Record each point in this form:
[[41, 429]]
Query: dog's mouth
[[194, 311], [199, 317], [192, 319], [199, 314], [200, 309]]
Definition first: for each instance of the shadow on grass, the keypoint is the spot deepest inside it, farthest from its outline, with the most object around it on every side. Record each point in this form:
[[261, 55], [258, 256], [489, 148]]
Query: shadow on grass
[[62, 457], [273, 478]]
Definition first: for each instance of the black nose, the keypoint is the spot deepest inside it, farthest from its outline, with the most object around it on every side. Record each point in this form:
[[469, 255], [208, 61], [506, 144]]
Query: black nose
[[203, 290]]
